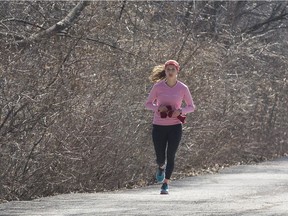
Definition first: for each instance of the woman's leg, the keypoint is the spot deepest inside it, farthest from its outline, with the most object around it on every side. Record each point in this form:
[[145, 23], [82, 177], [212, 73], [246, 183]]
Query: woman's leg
[[174, 138], [160, 136]]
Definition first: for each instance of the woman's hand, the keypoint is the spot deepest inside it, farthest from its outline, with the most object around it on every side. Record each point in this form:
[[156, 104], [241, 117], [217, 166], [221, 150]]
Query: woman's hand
[[176, 113], [162, 108]]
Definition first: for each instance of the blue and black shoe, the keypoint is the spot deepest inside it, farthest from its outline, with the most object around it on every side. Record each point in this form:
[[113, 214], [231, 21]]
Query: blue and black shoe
[[160, 175], [164, 189]]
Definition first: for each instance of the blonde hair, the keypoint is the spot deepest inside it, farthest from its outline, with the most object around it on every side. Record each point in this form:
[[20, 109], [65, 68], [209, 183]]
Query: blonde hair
[[157, 74]]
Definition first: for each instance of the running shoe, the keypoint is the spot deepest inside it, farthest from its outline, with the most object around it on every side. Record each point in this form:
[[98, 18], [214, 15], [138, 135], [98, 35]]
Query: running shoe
[[160, 175], [164, 189]]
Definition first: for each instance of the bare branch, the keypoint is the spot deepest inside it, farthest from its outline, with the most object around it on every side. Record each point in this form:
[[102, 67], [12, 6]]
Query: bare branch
[[30, 155], [7, 116], [122, 8], [59, 26], [23, 21], [273, 18], [17, 37]]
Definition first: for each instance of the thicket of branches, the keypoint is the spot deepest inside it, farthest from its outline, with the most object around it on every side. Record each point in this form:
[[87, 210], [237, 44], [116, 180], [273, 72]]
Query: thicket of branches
[[74, 79]]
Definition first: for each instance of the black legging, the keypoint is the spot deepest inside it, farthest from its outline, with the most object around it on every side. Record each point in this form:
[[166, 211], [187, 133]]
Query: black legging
[[166, 137]]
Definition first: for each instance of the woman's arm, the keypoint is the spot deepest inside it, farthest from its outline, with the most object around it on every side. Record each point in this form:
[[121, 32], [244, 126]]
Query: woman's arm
[[150, 102], [190, 107]]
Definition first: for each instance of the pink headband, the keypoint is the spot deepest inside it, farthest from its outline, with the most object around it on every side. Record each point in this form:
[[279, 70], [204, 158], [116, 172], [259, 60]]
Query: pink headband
[[172, 62]]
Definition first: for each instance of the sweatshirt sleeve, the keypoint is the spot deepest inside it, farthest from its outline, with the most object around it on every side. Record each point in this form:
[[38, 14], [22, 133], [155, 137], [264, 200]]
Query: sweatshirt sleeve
[[150, 102], [190, 107]]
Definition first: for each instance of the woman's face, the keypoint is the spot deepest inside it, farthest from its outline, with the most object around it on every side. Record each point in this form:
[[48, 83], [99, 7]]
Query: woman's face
[[171, 72]]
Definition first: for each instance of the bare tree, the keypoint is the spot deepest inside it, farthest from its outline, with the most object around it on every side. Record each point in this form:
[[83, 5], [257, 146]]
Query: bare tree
[[72, 114]]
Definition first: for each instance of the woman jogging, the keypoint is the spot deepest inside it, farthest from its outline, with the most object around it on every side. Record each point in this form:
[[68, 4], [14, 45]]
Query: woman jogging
[[165, 99]]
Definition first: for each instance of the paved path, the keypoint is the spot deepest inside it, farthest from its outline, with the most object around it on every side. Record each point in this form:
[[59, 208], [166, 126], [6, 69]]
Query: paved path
[[242, 190]]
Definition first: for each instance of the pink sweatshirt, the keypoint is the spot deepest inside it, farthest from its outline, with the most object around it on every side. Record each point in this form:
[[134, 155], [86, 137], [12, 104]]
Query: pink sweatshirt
[[162, 94]]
